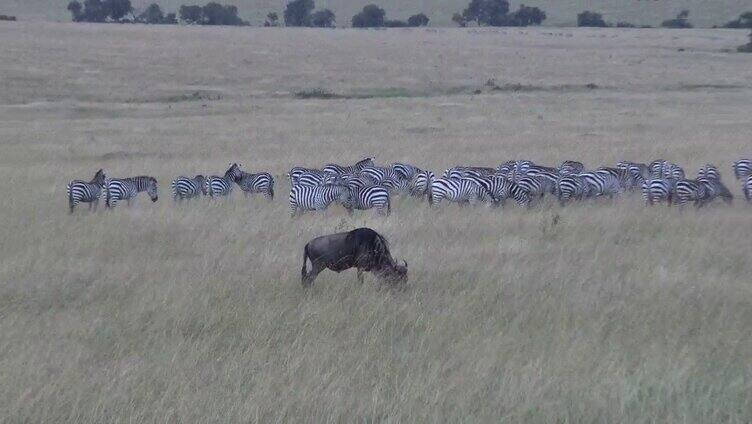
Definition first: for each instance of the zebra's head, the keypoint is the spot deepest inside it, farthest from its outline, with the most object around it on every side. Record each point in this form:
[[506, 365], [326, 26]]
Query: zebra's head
[[151, 189], [99, 178], [201, 181], [233, 172]]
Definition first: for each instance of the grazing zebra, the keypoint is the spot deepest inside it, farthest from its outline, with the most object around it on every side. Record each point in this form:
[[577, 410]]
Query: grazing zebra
[[127, 188], [222, 186], [420, 184], [87, 192], [186, 188], [457, 190], [658, 190], [339, 170], [263, 182], [571, 187], [501, 188], [533, 185], [316, 198], [691, 190], [370, 197], [570, 167], [742, 168], [747, 188]]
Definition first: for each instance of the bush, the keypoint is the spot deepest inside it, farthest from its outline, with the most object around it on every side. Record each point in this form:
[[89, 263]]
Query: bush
[[743, 21], [679, 22], [371, 16], [272, 20], [323, 19], [298, 13], [211, 14], [591, 19], [417, 20]]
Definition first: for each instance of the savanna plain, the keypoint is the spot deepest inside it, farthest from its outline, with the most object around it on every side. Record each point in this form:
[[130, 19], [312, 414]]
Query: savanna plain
[[603, 311]]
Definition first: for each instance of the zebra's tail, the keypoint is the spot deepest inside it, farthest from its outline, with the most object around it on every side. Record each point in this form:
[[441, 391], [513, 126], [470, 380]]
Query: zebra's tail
[[271, 188], [174, 188], [70, 197]]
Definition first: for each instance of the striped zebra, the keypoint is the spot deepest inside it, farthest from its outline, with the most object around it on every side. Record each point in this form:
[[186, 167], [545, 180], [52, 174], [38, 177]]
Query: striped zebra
[[339, 169], [127, 188], [400, 185], [222, 186], [298, 171], [570, 167], [636, 173], [601, 183], [316, 198], [625, 179], [506, 168], [747, 188], [710, 172], [742, 168], [663, 169], [262, 182], [462, 190], [533, 185], [570, 187], [420, 184], [715, 188], [658, 190], [87, 192], [369, 197], [377, 174], [465, 171], [691, 191], [501, 188], [186, 188], [406, 170]]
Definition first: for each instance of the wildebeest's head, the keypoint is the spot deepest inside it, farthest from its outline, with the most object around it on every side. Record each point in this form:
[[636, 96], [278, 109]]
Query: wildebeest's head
[[394, 273], [151, 189]]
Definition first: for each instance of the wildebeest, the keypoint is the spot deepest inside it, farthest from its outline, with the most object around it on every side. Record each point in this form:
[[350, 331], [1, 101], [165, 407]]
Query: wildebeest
[[362, 248]]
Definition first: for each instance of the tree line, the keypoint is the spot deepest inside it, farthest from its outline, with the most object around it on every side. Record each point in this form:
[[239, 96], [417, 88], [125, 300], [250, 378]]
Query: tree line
[[303, 13]]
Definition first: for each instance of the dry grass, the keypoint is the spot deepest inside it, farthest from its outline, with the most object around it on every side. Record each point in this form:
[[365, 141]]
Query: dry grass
[[194, 313]]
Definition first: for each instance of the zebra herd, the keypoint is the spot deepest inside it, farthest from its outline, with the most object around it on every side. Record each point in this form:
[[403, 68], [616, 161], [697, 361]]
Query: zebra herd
[[366, 185], [115, 189]]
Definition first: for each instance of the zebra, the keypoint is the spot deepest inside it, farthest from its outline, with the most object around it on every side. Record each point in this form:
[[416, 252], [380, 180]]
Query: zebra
[[660, 168], [742, 168], [715, 188], [263, 182], [570, 187], [636, 173], [600, 183], [339, 170], [691, 190], [624, 178], [658, 190], [420, 184], [401, 186], [87, 192], [501, 188], [463, 171], [369, 197], [127, 188], [533, 185], [377, 174], [297, 172], [570, 167], [710, 172], [222, 186], [747, 188], [186, 188], [457, 190], [506, 168], [407, 171], [316, 198]]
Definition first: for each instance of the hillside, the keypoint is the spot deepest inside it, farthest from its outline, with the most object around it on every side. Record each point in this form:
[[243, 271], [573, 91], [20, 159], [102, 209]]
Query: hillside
[[648, 12]]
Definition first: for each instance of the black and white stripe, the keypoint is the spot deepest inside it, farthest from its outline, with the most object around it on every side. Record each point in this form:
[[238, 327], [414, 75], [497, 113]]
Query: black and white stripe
[[710, 172], [186, 188], [715, 188], [87, 192], [340, 170], [570, 187], [262, 182], [297, 172], [457, 190], [691, 191], [377, 174], [127, 188], [603, 182], [222, 186], [570, 167], [315, 198], [406, 170], [369, 197], [658, 190], [742, 168], [420, 184], [747, 188]]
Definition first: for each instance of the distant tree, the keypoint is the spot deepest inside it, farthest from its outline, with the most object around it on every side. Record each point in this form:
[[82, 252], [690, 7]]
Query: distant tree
[[460, 20], [298, 13], [152, 15], [217, 14], [679, 22], [117, 9], [371, 16], [622, 24], [76, 11], [590, 19], [487, 12], [323, 19], [526, 16], [94, 11], [417, 20], [272, 20], [743, 21], [191, 14], [170, 19]]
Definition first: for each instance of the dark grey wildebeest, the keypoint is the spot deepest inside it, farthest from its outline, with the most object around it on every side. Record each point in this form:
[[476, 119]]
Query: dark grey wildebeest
[[362, 248]]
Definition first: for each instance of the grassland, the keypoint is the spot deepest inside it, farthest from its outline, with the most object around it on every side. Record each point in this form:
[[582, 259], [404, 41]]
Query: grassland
[[599, 312]]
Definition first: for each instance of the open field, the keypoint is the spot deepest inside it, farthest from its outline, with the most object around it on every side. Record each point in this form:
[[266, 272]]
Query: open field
[[703, 13], [195, 313]]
